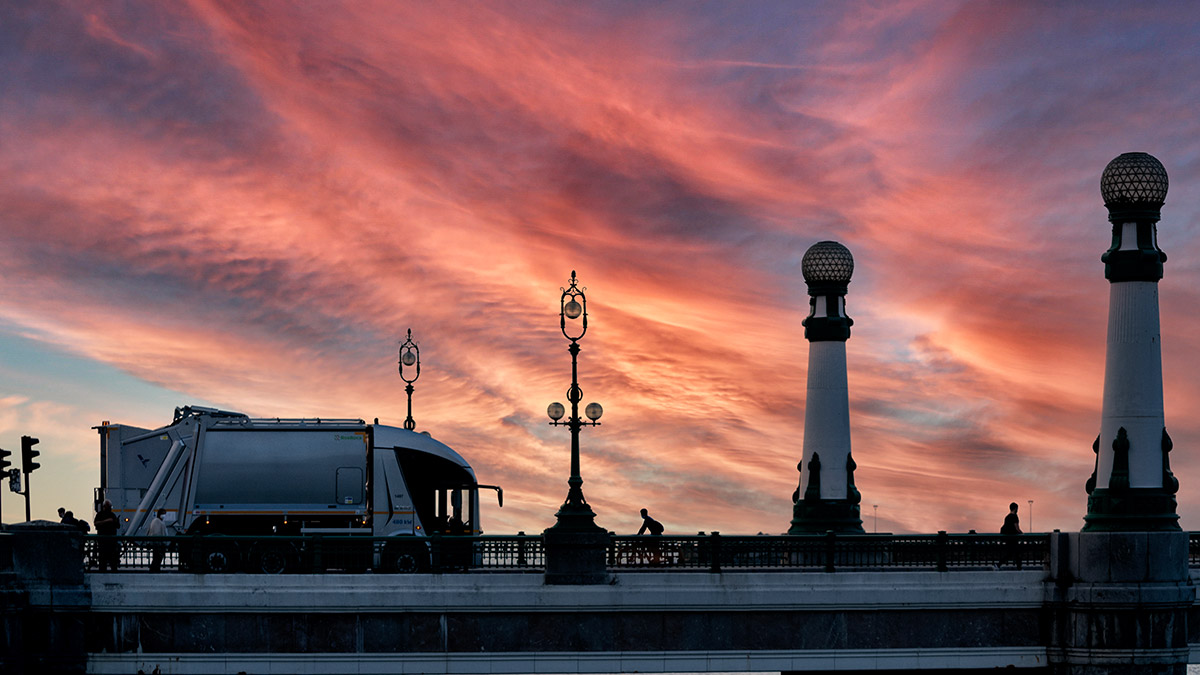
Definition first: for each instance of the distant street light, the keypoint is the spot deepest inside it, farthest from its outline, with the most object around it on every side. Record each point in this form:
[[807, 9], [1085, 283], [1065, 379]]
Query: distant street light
[[575, 514], [410, 357], [1031, 515], [875, 508]]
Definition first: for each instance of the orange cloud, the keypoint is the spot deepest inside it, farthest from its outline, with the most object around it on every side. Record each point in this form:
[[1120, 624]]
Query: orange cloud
[[249, 204]]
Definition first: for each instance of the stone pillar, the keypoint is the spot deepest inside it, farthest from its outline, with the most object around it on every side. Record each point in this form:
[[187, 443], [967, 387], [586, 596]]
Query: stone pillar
[[576, 557], [1132, 487], [43, 598], [827, 499], [1123, 591], [1122, 604]]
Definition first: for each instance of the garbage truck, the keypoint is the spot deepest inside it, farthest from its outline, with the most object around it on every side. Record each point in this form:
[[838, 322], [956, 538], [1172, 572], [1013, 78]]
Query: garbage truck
[[225, 474]]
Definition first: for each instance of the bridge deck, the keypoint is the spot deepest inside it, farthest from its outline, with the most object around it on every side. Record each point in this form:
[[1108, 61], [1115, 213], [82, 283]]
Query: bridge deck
[[514, 623]]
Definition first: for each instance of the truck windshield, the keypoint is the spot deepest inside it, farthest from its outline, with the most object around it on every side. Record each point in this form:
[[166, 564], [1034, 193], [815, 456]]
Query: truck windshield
[[444, 494]]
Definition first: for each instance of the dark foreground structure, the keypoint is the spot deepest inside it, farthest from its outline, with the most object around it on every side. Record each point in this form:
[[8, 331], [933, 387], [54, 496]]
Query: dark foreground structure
[[1079, 603]]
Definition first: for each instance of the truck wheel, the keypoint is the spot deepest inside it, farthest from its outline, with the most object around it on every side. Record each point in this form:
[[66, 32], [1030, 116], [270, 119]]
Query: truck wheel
[[273, 560], [220, 559], [406, 558]]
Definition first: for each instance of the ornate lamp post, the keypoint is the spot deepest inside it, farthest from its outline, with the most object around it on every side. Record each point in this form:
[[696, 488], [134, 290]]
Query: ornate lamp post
[[575, 514], [410, 357]]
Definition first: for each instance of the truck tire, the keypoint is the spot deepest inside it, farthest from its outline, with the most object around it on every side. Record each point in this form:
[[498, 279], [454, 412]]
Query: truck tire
[[274, 559], [219, 558], [406, 558]]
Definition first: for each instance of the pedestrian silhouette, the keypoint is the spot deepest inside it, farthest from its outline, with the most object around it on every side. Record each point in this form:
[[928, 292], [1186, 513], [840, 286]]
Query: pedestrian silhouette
[[157, 528], [650, 524], [107, 524], [1010, 530], [652, 551]]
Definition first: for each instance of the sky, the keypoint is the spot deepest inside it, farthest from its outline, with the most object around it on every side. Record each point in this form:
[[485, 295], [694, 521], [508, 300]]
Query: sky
[[247, 205]]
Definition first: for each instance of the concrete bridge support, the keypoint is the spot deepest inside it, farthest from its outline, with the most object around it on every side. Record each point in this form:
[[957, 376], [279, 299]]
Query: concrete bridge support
[[1121, 604], [44, 601]]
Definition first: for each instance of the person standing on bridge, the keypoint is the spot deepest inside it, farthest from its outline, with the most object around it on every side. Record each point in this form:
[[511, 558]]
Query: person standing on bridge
[[107, 524], [1010, 529]]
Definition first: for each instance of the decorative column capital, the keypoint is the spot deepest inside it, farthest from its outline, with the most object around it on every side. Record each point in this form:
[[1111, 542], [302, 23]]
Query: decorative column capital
[[827, 267], [1134, 188]]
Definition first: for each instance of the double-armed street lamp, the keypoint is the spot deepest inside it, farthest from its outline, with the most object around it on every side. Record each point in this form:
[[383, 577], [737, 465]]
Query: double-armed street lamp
[[575, 514], [410, 357]]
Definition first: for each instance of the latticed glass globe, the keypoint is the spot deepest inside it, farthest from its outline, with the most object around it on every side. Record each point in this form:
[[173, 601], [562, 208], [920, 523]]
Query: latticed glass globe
[[408, 358], [1134, 178], [572, 309], [593, 411], [827, 262], [556, 411]]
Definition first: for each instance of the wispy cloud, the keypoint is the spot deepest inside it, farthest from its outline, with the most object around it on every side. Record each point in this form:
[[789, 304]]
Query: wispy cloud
[[250, 203]]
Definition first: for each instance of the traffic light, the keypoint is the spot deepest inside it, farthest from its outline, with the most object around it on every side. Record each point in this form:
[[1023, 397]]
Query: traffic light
[[4, 463], [28, 453]]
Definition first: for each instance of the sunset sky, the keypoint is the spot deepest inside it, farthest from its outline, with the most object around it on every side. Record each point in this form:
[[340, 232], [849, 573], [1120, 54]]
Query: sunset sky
[[246, 205]]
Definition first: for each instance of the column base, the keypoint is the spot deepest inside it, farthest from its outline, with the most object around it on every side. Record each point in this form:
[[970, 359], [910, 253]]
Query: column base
[[1121, 603], [1131, 510], [818, 516], [574, 557]]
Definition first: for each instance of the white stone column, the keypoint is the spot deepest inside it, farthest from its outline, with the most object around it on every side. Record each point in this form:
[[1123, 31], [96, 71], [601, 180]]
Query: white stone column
[[1132, 488], [826, 499], [827, 417], [1133, 393]]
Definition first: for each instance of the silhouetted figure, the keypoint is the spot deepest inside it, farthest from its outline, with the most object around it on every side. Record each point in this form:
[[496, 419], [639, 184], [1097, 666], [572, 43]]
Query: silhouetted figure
[[652, 550], [1010, 529], [70, 519], [650, 524], [62, 514], [157, 528], [107, 524]]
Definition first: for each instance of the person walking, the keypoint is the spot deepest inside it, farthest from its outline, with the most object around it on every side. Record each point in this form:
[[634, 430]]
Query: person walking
[[157, 528], [652, 550], [648, 523]]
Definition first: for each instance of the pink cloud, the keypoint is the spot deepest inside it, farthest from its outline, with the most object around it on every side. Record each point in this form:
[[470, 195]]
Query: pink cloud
[[250, 203]]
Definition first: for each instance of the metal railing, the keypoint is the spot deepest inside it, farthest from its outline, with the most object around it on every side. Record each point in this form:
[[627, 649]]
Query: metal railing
[[829, 552], [1193, 549], [521, 552], [314, 554]]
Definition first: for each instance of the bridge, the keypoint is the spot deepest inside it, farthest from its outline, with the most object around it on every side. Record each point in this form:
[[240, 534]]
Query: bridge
[[713, 603], [1117, 597]]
